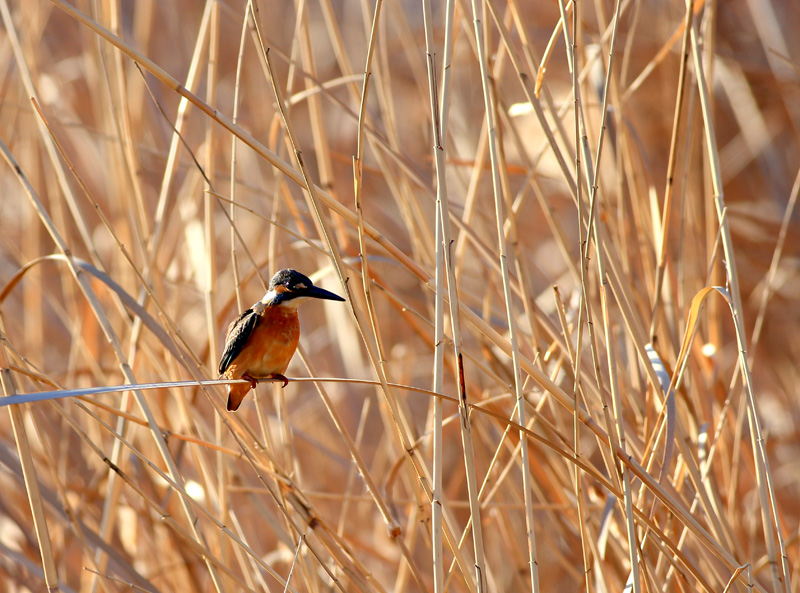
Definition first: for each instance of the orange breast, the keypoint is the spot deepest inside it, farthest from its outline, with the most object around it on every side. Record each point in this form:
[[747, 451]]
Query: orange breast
[[271, 345]]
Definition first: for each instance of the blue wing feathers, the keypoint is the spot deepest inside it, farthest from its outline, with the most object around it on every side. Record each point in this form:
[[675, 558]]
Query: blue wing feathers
[[239, 333]]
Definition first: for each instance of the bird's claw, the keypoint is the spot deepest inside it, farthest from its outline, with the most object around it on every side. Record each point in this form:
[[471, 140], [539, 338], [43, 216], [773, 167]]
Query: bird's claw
[[253, 381]]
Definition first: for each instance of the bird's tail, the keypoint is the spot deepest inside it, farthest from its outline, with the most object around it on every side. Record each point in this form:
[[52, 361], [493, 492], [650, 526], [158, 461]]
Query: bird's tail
[[236, 393]]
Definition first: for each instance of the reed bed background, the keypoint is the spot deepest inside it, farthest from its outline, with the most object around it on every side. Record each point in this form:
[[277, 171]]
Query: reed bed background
[[534, 384]]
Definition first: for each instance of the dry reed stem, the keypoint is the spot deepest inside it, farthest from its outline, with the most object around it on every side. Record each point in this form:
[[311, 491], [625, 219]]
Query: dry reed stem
[[32, 486], [439, 121], [499, 197]]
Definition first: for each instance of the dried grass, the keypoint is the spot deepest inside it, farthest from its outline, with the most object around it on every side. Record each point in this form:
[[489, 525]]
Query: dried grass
[[566, 361]]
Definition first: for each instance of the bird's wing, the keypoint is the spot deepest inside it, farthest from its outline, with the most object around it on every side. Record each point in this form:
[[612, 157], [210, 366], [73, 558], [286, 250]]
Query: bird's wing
[[239, 332]]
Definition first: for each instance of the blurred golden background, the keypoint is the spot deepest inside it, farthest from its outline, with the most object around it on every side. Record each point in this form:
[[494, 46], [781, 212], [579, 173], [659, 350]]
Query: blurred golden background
[[163, 159]]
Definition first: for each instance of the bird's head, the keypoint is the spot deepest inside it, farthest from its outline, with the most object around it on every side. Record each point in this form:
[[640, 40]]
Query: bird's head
[[289, 288]]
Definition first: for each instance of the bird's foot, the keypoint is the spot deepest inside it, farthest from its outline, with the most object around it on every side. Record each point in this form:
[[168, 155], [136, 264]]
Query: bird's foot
[[282, 378], [253, 381]]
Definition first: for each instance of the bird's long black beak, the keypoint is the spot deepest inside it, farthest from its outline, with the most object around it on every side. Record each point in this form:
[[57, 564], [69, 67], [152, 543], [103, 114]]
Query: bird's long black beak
[[315, 292]]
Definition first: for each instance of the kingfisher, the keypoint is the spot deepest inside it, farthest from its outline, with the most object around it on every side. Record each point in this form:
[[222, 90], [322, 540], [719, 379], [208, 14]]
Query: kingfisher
[[262, 340]]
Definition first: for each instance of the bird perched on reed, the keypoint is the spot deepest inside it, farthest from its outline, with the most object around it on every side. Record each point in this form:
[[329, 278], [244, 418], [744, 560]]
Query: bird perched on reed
[[262, 340]]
